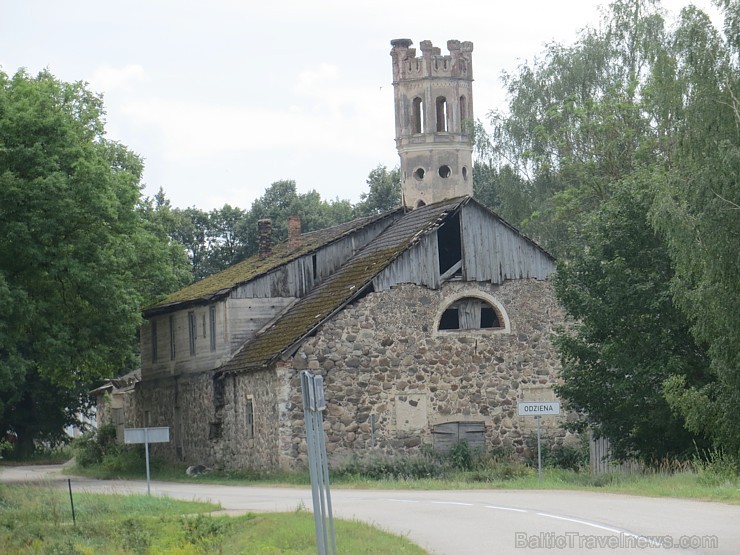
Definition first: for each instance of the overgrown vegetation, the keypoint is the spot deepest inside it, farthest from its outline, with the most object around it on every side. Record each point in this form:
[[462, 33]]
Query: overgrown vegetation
[[37, 520], [99, 451]]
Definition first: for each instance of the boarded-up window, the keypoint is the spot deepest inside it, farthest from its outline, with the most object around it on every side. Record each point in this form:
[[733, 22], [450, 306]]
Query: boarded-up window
[[446, 436], [191, 332], [470, 313], [154, 341], [212, 325], [172, 338], [250, 418]]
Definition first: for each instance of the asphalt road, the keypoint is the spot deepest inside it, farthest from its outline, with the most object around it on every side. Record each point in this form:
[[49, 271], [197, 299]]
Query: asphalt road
[[479, 521]]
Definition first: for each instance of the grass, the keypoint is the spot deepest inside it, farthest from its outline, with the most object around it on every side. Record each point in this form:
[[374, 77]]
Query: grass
[[686, 483], [37, 519]]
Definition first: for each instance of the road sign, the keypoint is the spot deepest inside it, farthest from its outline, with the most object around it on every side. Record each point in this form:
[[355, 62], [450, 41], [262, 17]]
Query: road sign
[[538, 408], [146, 435]]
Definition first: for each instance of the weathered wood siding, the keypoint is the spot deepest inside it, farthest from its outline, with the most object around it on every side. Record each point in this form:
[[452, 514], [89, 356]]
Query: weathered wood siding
[[418, 265], [495, 252], [492, 252], [247, 316], [300, 276], [205, 358]]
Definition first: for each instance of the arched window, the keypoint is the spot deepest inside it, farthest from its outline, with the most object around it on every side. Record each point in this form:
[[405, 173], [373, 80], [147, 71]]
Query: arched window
[[463, 111], [417, 115], [472, 313], [442, 115]]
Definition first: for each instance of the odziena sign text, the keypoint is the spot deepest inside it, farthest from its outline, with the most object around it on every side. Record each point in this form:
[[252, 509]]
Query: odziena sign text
[[538, 408]]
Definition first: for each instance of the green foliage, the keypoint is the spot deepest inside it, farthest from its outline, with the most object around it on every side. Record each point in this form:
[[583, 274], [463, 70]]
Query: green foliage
[[627, 144], [384, 192], [99, 448], [76, 258]]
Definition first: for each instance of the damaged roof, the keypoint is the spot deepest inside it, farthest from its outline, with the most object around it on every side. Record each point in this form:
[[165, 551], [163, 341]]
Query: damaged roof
[[220, 284], [341, 287]]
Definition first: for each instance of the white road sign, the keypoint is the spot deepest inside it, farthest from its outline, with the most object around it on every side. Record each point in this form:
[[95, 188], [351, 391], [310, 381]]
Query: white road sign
[[152, 435], [538, 408]]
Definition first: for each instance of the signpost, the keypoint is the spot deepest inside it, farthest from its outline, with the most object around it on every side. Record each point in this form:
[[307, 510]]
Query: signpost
[[146, 436], [312, 387], [538, 409]]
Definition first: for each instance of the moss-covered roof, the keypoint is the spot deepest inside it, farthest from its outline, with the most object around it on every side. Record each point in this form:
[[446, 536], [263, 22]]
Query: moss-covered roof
[[337, 290], [220, 284]]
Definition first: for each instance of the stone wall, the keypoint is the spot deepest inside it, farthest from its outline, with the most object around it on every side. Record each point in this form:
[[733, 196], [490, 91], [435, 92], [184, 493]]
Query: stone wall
[[390, 375], [207, 417]]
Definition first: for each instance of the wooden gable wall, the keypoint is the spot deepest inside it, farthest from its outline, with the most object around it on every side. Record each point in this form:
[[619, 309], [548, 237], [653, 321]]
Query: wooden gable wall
[[492, 251]]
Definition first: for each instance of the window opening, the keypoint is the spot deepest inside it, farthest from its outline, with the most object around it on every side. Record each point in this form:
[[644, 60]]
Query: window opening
[[465, 173], [172, 338], [203, 322], [445, 172], [463, 111], [470, 313], [314, 266], [212, 325], [449, 244], [442, 115], [154, 341], [250, 419], [191, 332], [419, 174], [417, 116], [420, 203]]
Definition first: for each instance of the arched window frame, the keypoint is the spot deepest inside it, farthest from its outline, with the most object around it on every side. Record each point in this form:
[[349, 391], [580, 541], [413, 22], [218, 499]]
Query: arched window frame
[[503, 316], [417, 115]]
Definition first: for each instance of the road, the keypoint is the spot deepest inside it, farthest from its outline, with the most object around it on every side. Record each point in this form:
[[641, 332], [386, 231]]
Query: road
[[462, 522]]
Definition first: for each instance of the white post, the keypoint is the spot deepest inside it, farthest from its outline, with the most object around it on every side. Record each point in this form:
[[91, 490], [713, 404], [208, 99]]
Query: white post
[[539, 450]]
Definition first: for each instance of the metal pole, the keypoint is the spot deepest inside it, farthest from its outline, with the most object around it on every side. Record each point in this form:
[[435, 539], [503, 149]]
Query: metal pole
[[308, 416], [146, 450], [325, 468], [72, 502], [539, 450]]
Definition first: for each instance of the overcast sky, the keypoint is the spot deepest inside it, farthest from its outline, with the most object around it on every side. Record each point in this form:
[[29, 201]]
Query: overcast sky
[[223, 97]]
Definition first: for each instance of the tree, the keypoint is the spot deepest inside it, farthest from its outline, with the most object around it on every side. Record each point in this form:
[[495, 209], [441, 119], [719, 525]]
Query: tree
[[629, 336], [635, 113], [697, 211], [77, 260], [384, 192]]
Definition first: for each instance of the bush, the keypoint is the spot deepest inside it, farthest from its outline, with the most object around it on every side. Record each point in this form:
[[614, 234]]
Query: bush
[[99, 447]]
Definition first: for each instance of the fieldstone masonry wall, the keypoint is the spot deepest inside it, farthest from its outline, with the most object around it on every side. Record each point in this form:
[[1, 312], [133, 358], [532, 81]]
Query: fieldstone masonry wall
[[390, 375]]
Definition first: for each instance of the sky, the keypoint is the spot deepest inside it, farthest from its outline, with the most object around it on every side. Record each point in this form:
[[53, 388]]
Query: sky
[[224, 97]]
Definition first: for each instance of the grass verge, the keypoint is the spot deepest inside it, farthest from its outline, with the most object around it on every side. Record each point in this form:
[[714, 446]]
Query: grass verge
[[37, 519]]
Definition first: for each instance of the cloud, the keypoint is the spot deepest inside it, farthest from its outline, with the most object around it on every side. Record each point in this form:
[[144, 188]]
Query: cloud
[[109, 79], [324, 114]]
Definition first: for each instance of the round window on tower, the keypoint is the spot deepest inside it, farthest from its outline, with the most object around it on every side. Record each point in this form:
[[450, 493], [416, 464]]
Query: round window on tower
[[419, 174], [444, 172]]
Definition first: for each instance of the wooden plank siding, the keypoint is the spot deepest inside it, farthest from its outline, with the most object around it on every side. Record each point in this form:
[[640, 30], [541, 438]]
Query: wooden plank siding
[[491, 250], [248, 316], [495, 252]]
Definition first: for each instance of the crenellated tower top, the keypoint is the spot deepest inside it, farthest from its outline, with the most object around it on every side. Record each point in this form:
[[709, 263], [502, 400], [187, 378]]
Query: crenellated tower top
[[433, 96]]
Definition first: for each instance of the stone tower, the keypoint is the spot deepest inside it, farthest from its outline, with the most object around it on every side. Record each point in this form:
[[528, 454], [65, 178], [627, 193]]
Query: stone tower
[[433, 97]]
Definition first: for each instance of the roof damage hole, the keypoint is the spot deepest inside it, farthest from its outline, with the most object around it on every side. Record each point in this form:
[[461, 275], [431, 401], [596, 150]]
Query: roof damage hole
[[449, 243]]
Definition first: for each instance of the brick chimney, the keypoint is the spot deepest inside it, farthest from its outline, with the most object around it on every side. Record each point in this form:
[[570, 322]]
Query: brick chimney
[[264, 237], [294, 232]]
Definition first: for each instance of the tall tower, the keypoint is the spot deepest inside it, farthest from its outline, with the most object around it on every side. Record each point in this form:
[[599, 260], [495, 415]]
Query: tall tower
[[433, 97]]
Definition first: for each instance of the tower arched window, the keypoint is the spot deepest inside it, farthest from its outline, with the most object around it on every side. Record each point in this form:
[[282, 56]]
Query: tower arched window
[[442, 114], [417, 115], [463, 111]]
